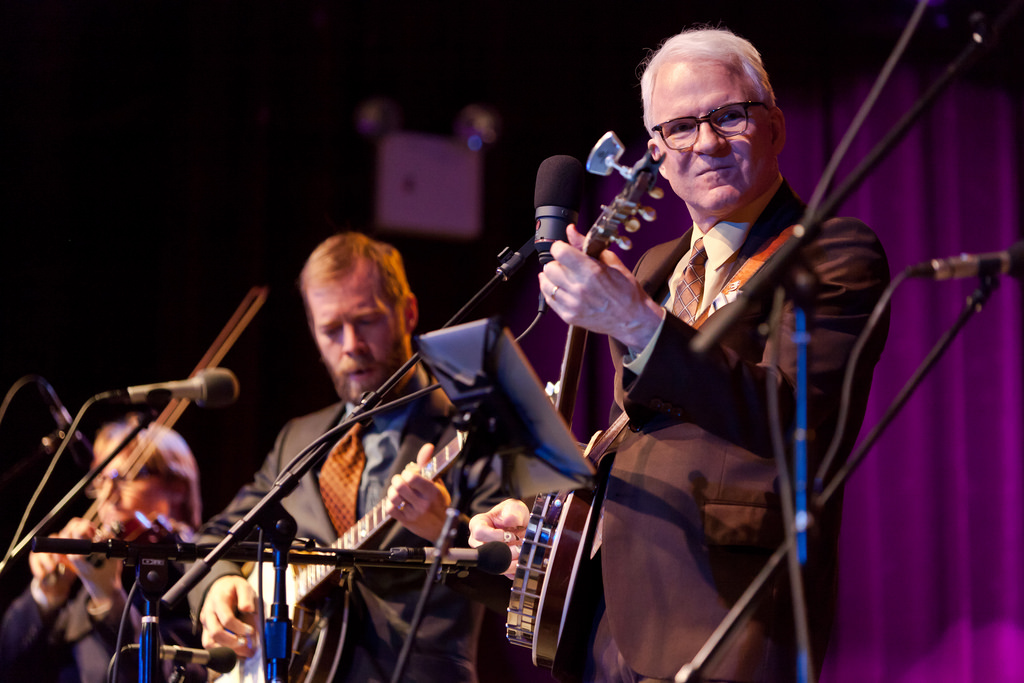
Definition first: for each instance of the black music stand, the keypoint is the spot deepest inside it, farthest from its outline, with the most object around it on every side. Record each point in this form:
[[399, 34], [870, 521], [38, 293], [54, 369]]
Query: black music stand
[[504, 407]]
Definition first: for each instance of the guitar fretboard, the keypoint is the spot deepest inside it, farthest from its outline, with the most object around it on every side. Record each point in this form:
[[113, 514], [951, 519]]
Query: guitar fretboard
[[310, 577]]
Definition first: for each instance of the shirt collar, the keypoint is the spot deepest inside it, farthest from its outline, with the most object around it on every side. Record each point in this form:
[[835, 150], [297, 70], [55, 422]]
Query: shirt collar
[[725, 238], [394, 420]]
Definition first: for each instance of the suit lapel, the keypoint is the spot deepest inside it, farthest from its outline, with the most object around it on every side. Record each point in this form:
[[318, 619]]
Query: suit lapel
[[655, 268]]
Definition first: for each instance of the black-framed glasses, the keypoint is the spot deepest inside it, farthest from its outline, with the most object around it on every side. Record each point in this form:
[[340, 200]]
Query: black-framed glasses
[[107, 482], [729, 120]]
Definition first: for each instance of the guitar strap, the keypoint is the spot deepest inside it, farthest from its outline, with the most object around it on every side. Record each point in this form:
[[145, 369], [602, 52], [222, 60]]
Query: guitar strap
[[748, 269], [604, 442]]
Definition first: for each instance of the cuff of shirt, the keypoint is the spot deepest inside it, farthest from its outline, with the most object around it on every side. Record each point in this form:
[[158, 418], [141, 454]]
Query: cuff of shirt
[[636, 362]]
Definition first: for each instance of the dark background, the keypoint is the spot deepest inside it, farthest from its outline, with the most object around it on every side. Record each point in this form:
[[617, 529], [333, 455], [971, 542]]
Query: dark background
[[158, 159]]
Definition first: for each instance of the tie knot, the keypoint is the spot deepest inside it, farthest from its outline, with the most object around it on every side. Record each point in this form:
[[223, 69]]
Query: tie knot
[[700, 255], [355, 432]]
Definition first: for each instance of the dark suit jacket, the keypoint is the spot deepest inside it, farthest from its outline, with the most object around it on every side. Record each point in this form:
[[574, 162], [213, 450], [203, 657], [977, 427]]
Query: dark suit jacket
[[71, 645], [385, 598], [692, 507]]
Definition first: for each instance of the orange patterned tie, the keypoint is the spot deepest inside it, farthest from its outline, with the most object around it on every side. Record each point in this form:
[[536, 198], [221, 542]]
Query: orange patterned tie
[[339, 479], [692, 285]]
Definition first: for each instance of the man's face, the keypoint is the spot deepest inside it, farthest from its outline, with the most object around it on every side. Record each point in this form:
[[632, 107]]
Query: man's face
[[718, 176], [121, 498], [361, 340]]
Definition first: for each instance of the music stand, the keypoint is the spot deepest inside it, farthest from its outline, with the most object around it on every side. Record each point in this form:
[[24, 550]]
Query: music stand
[[488, 378]]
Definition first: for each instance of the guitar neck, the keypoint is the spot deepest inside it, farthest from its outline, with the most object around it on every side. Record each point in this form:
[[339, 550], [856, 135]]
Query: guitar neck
[[374, 520], [310, 578], [569, 379], [575, 345]]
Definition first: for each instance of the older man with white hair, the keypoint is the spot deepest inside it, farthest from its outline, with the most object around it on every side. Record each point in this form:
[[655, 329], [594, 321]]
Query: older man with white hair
[[692, 509]]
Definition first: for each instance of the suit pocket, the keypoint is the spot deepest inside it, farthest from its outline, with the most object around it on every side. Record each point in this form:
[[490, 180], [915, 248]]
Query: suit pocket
[[740, 524]]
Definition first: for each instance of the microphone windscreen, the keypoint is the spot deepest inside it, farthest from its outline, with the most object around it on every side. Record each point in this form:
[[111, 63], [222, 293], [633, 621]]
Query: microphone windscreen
[[559, 182], [493, 557], [220, 388], [222, 659]]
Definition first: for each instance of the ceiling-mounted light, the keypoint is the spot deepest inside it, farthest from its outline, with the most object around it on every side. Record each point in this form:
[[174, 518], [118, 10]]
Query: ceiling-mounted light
[[478, 125]]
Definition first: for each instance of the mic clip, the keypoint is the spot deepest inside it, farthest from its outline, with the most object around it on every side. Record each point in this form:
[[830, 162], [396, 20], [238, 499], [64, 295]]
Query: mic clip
[[510, 263]]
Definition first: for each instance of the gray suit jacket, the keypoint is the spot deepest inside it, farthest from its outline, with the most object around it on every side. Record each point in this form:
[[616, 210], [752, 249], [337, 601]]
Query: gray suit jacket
[[384, 598]]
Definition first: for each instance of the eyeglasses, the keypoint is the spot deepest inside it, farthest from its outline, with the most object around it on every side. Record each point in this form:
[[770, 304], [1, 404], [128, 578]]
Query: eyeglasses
[[729, 120], [106, 483]]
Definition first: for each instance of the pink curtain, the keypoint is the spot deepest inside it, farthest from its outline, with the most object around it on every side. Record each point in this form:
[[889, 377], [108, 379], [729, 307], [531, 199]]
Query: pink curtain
[[934, 520]]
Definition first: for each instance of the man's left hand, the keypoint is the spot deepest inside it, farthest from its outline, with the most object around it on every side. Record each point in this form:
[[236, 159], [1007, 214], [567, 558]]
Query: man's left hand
[[418, 503]]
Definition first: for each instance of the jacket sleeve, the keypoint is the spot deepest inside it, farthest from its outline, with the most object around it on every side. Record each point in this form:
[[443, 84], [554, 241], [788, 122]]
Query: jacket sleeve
[[725, 391], [217, 527]]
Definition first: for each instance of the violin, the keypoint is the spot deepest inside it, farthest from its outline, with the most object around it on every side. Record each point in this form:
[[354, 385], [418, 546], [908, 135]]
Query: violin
[[142, 529], [137, 529]]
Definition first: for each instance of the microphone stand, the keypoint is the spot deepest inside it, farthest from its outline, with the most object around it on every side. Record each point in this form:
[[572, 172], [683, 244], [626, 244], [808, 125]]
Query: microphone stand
[[975, 302], [151, 565], [802, 287], [314, 454], [48, 521], [470, 421], [247, 551], [151, 575], [442, 545], [277, 628], [746, 602], [983, 38]]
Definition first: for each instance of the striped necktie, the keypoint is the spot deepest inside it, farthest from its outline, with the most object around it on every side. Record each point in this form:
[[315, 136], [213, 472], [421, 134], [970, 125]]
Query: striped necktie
[[687, 294]]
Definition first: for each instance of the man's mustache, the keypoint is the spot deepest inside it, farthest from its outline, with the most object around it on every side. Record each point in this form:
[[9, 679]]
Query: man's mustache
[[347, 367]]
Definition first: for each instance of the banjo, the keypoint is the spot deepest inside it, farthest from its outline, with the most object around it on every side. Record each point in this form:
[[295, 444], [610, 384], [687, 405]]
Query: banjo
[[562, 524], [319, 612]]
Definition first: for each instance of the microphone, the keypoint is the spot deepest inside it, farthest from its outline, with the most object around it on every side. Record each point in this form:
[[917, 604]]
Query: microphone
[[556, 199], [219, 659], [81, 448], [1009, 262], [210, 388], [492, 558]]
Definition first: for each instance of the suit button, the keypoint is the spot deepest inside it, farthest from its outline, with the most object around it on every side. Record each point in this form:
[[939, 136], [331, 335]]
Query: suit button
[[657, 405]]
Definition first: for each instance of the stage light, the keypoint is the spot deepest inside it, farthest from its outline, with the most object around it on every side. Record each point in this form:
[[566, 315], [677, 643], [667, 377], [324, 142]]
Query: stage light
[[478, 125], [378, 116]]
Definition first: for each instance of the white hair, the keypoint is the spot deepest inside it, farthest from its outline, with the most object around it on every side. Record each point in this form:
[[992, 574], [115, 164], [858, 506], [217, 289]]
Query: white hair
[[705, 44]]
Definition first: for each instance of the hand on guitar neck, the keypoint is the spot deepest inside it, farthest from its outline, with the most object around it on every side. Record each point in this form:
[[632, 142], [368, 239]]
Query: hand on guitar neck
[[598, 293], [505, 522], [417, 503]]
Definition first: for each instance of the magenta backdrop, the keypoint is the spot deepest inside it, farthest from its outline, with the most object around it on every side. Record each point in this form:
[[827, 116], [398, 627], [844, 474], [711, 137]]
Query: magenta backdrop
[[932, 538]]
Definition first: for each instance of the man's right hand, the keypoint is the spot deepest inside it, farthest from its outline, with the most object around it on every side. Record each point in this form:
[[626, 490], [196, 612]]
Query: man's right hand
[[228, 616], [504, 522]]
